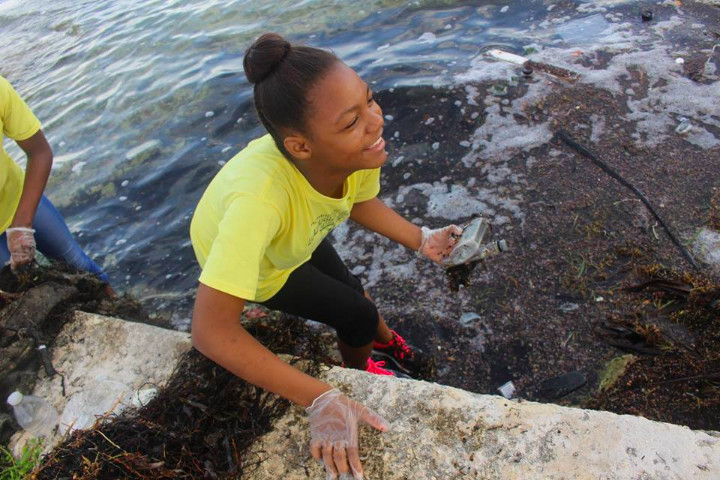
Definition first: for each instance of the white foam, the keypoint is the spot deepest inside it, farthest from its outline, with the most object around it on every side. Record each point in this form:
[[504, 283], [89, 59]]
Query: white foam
[[427, 37], [598, 127], [707, 246]]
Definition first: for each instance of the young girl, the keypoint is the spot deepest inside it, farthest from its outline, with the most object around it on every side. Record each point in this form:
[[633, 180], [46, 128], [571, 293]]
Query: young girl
[[26, 215], [259, 234]]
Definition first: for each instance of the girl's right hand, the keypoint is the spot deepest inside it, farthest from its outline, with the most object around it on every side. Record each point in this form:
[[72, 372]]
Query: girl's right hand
[[334, 422], [437, 244], [21, 244]]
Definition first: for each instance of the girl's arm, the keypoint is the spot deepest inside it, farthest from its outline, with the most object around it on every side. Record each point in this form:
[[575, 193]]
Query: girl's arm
[[39, 161], [334, 418], [378, 217], [435, 245], [218, 334]]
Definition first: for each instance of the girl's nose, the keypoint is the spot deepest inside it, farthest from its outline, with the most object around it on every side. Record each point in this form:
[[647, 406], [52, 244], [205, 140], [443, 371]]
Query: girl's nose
[[376, 121]]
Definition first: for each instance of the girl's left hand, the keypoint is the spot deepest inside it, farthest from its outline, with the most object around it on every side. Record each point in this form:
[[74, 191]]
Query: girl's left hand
[[21, 243], [438, 243]]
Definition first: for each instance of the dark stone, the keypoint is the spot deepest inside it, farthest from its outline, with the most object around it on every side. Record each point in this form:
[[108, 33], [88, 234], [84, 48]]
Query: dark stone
[[557, 387]]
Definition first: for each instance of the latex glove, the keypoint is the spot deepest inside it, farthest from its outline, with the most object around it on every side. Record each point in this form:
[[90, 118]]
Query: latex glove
[[334, 422], [21, 243], [438, 243]]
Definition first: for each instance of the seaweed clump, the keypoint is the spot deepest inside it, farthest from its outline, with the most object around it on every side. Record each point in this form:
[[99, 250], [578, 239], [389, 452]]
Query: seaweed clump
[[199, 426], [35, 302], [676, 332]]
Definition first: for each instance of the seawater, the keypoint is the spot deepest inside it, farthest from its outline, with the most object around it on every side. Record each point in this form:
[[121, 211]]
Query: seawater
[[143, 102]]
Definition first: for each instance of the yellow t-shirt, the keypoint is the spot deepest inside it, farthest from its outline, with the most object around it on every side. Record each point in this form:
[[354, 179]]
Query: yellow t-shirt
[[19, 123], [260, 219]]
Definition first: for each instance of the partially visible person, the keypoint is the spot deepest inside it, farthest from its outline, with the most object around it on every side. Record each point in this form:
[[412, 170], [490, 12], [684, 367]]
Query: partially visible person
[[28, 220]]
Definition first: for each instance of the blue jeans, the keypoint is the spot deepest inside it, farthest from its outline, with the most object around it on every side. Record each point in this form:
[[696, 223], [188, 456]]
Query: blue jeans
[[54, 240]]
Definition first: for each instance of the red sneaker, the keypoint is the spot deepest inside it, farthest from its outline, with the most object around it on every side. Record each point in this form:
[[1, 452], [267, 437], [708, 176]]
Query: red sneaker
[[376, 368], [396, 350]]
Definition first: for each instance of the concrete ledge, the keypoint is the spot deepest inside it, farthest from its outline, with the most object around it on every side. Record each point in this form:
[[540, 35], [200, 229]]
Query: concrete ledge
[[437, 432], [443, 433]]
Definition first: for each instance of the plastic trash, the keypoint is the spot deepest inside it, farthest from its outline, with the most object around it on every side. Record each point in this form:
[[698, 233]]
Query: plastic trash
[[101, 397], [507, 389], [684, 126], [709, 68], [33, 414], [142, 397], [569, 307], [469, 247], [468, 318]]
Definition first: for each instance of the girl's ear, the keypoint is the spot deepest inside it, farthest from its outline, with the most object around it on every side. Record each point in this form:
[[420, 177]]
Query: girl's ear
[[298, 146]]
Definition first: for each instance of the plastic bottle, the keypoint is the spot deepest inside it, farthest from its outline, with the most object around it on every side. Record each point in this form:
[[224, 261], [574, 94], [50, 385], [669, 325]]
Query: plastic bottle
[[100, 397], [469, 247], [33, 414]]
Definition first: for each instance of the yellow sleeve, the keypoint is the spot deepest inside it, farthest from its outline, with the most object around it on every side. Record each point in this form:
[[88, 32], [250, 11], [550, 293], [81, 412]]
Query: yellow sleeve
[[246, 229], [369, 185], [18, 121]]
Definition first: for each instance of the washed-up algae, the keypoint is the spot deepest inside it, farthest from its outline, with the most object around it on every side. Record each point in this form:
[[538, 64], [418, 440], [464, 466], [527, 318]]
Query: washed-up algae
[[199, 426], [675, 333], [35, 303]]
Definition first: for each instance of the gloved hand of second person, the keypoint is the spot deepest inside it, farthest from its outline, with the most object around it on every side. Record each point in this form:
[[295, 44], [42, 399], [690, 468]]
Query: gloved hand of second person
[[438, 243], [21, 244], [334, 420]]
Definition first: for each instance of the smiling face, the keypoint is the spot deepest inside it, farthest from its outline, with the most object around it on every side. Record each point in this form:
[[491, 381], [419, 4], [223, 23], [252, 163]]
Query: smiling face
[[344, 125]]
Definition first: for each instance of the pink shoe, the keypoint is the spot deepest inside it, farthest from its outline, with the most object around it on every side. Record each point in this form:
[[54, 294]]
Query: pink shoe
[[376, 368], [397, 351]]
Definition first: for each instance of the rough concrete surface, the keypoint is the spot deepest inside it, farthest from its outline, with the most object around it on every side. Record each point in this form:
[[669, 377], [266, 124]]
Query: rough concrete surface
[[437, 432], [95, 346], [441, 432]]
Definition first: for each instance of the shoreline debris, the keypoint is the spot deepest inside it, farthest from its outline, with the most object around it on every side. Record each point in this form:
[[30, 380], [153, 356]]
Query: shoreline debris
[[530, 65]]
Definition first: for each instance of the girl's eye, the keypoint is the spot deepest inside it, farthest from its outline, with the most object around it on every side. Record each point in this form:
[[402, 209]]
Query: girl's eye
[[352, 124], [371, 100]]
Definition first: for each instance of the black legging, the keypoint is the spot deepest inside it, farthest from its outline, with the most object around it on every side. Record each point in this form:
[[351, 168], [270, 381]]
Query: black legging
[[324, 290]]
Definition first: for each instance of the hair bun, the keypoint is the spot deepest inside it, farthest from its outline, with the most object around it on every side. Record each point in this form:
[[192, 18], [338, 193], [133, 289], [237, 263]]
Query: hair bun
[[264, 56]]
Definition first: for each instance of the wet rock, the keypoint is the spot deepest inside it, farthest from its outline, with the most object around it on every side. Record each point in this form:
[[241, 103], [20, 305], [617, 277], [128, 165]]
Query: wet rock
[[557, 387]]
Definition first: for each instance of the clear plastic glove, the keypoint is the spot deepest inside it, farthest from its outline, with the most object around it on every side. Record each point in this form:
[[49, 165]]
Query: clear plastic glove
[[334, 422], [438, 243], [21, 243]]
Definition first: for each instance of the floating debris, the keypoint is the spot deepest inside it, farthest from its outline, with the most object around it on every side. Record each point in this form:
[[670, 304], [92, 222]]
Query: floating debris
[[569, 307], [684, 126], [526, 62], [507, 389], [468, 318]]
